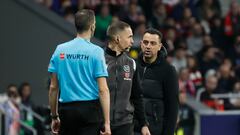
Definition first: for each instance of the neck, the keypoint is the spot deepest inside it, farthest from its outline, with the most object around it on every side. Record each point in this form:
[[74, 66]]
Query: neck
[[149, 60], [114, 47], [84, 35]]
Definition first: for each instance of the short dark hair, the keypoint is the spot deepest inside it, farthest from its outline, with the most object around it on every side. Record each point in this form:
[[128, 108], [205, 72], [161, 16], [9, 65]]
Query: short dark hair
[[11, 93], [21, 87], [154, 31], [84, 19], [116, 27]]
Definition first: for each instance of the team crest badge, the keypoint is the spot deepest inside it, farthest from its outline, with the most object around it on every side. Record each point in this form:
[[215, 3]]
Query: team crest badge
[[126, 70]]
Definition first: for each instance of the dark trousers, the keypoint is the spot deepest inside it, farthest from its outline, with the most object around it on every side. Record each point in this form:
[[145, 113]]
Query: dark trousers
[[126, 129], [80, 118]]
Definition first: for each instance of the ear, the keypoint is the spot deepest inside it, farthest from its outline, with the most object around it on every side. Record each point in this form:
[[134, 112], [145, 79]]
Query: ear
[[117, 38], [93, 27], [160, 46]]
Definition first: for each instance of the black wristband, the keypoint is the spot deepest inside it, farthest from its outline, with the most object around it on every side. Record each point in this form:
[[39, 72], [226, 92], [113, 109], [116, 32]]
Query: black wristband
[[54, 116]]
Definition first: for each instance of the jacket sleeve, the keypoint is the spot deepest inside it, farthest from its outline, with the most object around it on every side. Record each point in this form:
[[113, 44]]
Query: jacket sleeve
[[136, 98], [171, 102]]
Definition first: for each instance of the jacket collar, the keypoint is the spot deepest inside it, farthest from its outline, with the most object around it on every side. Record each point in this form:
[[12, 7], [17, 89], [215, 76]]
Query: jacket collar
[[111, 52]]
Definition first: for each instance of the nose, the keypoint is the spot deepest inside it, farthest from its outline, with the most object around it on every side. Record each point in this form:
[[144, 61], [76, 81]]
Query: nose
[[148, 46], [132, 41]]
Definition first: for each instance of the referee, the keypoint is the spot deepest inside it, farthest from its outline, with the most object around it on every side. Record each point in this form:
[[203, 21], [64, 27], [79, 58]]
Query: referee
[[78, 83]]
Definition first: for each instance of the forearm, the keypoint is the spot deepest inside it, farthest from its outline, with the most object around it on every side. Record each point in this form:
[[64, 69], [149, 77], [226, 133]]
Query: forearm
[[105, 103], [53, 100]]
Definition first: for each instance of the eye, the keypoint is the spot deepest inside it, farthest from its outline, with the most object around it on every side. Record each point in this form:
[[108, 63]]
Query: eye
[[153, 43], [145, 42]]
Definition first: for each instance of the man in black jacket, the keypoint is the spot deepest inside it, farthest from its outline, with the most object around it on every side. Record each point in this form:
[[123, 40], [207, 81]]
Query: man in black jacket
[[159, 84], [123, 82]]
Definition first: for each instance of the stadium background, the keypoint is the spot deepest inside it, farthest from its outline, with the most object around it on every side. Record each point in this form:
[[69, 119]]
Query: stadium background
[[31, 29]]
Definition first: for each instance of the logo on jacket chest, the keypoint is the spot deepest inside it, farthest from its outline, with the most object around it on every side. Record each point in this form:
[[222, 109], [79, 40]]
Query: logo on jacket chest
[[127, 75]]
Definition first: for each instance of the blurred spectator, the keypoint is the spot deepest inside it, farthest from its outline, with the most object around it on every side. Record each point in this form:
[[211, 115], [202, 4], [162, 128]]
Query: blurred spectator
[[170, 23], [103, 20], [133, 14], [159, 16], [69, 15], [208, 8], [25, 94], [235, 102], [91, 4], [170, 39], [26, 117], [232, 20], [179, 8], [194, 74], [217, 32], [56, 6], [195, 42], [207, 42], [204, 95], [12, 110], [209, 60], [186, 22], [138, 34], [234, 54], [226, 78], [186, 116], [115, 19], [185, 84], [179, 60]]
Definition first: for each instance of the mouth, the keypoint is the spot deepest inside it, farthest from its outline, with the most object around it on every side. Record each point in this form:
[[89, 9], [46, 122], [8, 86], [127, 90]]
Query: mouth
[[147, 52]]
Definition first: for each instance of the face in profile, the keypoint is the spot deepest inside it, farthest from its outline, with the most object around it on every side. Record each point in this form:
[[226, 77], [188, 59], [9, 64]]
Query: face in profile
[[150, 45], [125, 39]]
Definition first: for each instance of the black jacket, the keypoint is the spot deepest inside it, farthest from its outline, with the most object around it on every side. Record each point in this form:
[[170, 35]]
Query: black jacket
[[125, 92], [160, 91]]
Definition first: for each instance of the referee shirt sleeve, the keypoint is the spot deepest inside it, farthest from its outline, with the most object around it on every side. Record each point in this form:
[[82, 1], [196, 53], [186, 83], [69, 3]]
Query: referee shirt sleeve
[[100, 68], [52, 67]]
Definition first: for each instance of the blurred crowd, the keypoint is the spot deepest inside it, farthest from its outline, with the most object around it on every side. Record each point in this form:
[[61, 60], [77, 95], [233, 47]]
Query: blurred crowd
[[17, 106]]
